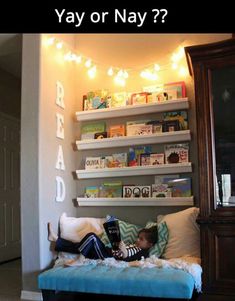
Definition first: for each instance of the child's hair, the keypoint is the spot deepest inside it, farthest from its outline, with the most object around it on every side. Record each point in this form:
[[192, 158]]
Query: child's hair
[[151, 234]]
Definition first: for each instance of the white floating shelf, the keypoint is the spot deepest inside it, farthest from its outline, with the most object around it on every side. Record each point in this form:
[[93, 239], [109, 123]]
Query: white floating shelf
[[166, 137], [134, 171], [130, 110], [188, 201]]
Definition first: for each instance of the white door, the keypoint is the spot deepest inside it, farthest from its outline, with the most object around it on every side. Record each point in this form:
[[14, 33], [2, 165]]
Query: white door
[[10, 247]]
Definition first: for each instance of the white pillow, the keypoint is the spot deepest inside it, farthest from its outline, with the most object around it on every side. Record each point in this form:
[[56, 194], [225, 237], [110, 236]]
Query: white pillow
[[184, 234], [75, 228]]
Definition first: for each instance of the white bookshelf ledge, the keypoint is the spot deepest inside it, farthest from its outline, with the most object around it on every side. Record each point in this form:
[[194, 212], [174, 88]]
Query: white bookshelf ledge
[[130, 110], [134, 171], [187, 201], [167, 137]]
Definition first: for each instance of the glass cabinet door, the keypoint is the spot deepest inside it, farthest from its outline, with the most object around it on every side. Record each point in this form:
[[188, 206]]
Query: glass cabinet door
[[222, 86]]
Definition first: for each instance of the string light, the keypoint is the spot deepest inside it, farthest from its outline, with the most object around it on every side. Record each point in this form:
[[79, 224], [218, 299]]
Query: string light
[[110, 71], [150, 72], [92, 72], [88, 63]]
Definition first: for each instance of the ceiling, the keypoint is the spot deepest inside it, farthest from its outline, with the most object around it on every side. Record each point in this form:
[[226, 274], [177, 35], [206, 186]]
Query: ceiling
[[10, 53]]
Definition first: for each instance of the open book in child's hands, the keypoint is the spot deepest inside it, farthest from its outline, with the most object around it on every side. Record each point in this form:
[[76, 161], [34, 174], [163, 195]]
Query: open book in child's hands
[[112, 230]]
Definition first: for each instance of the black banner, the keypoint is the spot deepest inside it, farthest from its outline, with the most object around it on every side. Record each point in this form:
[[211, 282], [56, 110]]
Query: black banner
[[157, 18]]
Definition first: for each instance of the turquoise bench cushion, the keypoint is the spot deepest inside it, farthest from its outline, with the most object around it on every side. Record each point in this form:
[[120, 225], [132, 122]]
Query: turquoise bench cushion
[[131, 281]]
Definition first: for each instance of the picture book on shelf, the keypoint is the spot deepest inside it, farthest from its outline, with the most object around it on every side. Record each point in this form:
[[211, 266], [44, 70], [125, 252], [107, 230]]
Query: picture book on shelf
[[156, 159], [141, 127], [135, 152], [96, 99], [177, 153], [92, 192], [164, 179], [177, 89], [88, 130], [168, 91], [133, 191], [139, 98], [100, 135], [161, 191], [111, 189], [117, 130], [144, 159], [92, 162], [119, 160], [157, 126], [180, 187], [171, 125], [119, 99], [181, 116]]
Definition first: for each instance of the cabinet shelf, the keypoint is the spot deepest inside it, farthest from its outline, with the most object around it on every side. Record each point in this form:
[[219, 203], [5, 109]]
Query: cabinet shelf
[[180, 201], [134, 171], [130, 110], [166, 137]]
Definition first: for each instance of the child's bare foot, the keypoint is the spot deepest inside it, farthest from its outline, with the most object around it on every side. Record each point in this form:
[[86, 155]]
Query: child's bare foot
[[51, 234]]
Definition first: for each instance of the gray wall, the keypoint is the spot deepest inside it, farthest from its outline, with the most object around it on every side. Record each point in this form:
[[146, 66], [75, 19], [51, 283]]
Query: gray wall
[[39, 152]]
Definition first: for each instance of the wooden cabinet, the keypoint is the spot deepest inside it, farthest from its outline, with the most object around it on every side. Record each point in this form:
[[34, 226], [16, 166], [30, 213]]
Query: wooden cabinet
[[213, 69]]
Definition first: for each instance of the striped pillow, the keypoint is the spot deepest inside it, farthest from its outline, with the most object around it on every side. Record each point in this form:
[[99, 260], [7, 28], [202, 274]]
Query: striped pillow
[[129, 233], [163, 235]]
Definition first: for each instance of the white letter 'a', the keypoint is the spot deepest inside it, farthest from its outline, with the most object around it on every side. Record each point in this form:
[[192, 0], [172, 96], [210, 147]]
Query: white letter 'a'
[[60, 189], [60, 95], [60, 159]]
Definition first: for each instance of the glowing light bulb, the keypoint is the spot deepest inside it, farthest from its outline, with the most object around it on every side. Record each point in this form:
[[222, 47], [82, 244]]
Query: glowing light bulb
[[73, 57], [50, 41], [120, 73], [143, 73], [88, 63], [67, 56], [78, 59], [59, 45], [110, 71], [174, 66], [156, 67], [120, 81], [183, 72], [92, 72], [125, 74]]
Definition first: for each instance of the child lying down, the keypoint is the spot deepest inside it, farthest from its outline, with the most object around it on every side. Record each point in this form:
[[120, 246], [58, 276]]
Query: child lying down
[[92, 247]]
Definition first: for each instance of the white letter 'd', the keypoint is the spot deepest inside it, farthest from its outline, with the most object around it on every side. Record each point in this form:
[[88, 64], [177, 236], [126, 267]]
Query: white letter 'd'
[[60, 189]]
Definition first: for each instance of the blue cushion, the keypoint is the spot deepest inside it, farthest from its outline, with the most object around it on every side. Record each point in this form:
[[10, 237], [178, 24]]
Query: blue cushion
[[131, 281]]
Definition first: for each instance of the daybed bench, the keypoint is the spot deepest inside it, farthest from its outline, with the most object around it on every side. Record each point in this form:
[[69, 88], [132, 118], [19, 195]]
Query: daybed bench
[[133, 281], [172, 279]]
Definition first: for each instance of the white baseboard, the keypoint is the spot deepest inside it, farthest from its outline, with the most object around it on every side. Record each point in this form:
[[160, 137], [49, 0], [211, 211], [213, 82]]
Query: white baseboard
[[28, 295]]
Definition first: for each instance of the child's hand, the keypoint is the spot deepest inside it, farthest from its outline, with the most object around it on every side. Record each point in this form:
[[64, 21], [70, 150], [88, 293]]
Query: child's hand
[[117, 254], [123, 249]]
